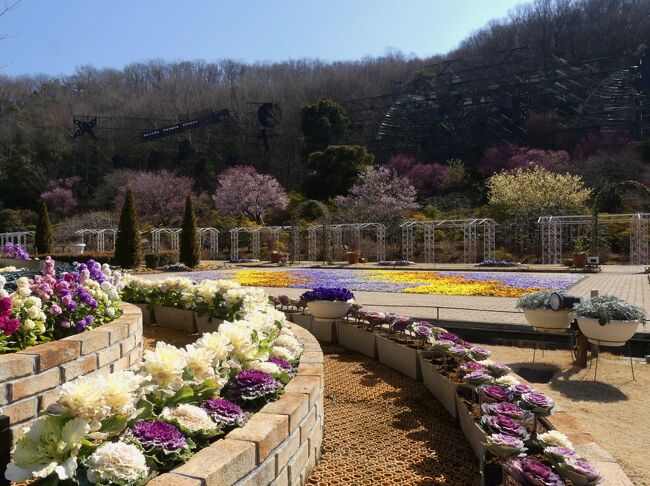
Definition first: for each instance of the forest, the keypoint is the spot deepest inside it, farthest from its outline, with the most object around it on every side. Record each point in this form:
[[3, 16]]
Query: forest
[[74, 141]]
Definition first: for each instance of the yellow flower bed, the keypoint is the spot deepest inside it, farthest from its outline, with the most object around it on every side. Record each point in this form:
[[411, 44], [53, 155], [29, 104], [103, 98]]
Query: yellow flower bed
[[256, 278]]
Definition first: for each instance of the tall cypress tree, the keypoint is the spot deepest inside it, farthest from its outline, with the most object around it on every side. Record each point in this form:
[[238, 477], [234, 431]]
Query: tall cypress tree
[[43, 237], [128, 253], [190, 245]]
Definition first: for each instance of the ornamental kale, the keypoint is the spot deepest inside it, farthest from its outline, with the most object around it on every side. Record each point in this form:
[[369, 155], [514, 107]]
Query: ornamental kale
[[249, 385], [324, 293], [224, 412], [528, 471], [163, 442]]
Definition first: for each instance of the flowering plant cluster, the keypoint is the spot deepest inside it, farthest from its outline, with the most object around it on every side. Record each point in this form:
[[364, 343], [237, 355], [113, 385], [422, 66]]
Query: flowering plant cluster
[[50, 306], [498, 263], [222, 299], [607, 308], [127, 426], [14, 251], [329, 294], [287, 304]]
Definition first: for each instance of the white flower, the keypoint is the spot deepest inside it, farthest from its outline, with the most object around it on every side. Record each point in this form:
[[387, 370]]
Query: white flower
[[267, 366], [555, 438], [217, 344], [83, 398], [165, 364], [28, 324], [284, 353], [507, 380], [119, 392], [190, 417], [199, 360], [117, 463], [289, 343]]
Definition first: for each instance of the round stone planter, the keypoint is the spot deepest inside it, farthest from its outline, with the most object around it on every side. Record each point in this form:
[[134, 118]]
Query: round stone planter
[[614, 333], [173, 318], [325, 309], [77, 249], [549, 321]]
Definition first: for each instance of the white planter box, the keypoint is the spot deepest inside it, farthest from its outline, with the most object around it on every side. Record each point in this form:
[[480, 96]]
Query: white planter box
[[441, 388], [323, 329], [302, 320], [614, 333], [325, 309], [359, 340], [77, 249], [206, 323], [399, 357], [172, 318], [549, 321], [474, 434], [28, 264], [146, 313]]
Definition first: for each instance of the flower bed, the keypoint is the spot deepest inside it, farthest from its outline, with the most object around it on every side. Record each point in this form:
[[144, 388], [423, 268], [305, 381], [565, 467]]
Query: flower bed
[[129, 426], [494, 284], [506, 421], [53, 305]]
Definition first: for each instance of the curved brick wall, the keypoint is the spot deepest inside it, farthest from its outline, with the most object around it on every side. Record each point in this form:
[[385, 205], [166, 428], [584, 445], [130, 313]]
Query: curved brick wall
[[279, 445], [30, 379]]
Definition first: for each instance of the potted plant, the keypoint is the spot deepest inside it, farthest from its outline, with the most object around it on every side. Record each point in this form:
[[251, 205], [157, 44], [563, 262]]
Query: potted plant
[[353, 257], [328, 303], [580, 253], [540, 315], [608, 320]]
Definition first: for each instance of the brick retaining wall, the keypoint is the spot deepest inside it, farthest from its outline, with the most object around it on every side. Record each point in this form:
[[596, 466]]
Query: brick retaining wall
[[30, 380], [278, 446]]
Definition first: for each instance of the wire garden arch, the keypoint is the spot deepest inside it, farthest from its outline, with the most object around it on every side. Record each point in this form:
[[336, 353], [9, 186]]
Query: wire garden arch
[[471, 229], [256, 231], [336, 237], [208, 236], [17, 238]]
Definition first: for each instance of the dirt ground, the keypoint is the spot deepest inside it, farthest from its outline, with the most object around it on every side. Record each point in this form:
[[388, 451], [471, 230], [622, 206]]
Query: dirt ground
[[614, 408]]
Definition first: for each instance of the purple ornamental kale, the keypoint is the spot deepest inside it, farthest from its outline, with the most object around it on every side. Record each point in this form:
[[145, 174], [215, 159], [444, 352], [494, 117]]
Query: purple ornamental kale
[[520, 389], [534, 473], [493, 394], [469, 366], [400, 323], [448, 336], [497, 369], [501, 424], [253, 384], [224, 412], [154, 434], [479, 353], [504, 446], [478, 377], [324, 293], [538, 403], [506, 409], [283, 364], [580, 472], [560, 454]]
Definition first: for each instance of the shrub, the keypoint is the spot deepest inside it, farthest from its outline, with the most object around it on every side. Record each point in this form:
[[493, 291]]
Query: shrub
[[128, 253], [157, 260], [100, 257], [43, 237], [607, 308], [190, 244]]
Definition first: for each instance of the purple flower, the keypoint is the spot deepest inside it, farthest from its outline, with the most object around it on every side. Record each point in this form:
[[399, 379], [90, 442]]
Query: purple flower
[[538, 403], [448, 336], [324, 293], [504, 425], [423, 331], [469, 366], [520, 389], [477, 377], [56, 310], [400, 323], [283, 299], [6, 306], [479, 353], [442, 345], [253, 384], [224, 412], [528, 472], [497, 369], [580, 472], [282, 363], [9, 326], [506, 409], [493, 394], [504, 446], [560, 454], [154, 434], [458, 351]]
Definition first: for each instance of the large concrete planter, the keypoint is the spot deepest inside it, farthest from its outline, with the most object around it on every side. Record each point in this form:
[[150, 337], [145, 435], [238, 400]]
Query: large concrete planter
[[549, 321], [172, 318], [614, 333], [325, 309], [474, 434], [357, 339], [146, 313], [399, 357], [206, 323], [440, 387], [323, 329]]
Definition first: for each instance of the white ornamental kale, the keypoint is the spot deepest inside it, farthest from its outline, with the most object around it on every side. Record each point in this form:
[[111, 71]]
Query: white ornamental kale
[[116, 463], [49, 447]]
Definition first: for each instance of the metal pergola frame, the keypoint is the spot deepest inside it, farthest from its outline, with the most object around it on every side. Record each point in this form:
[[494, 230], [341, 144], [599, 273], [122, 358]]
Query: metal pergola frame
[[470, 229], [99, 234], [552, 229], [209, 234], [255, 232], [336, 238], [16, 237]]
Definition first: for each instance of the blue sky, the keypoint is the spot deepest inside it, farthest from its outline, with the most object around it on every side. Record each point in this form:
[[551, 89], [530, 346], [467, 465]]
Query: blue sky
[[56, 36]]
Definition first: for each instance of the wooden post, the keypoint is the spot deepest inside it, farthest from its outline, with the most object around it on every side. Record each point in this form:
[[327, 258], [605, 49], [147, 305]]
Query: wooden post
[[583, 344]]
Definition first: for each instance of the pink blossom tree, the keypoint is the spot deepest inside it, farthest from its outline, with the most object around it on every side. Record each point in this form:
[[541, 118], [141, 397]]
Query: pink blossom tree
[[159, 196], [381, 196], [60, 200], [244, 192], [426, 178], [510, 157]]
